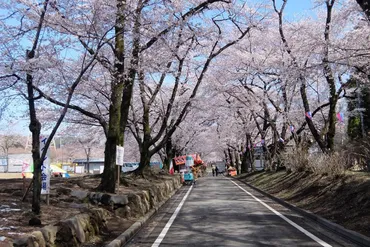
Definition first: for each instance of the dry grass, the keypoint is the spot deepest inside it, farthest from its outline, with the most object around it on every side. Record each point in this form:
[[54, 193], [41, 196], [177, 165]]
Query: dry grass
[[295, 161], [328, 164], [322, 164]]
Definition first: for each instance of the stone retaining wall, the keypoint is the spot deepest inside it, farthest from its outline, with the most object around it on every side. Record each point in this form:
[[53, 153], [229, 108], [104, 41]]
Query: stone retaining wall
[[80, 228], [70, 232]]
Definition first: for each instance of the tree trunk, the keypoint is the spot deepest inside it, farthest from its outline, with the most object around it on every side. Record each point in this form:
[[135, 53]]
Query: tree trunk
[[120, 67], [309, 121], [144, 160], [130, 77], [88, 161], [169, 155], [226, 157], [114, 134], [244, 165], [250, 154], [35, 128], [331, 82], [109, 177], [145, 153], [332, 121], [230, 157], [237, 161], [35, 125]]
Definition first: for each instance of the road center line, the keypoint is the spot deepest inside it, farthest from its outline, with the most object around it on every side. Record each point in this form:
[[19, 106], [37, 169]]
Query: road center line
[[318, 240], [170, 221]]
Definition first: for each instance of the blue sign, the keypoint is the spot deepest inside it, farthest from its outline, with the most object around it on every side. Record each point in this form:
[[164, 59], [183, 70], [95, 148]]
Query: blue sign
[[3, 161]]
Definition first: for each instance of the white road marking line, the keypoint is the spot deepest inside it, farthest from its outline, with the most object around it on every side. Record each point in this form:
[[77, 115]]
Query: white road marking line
[[318, 240], [170, 221]]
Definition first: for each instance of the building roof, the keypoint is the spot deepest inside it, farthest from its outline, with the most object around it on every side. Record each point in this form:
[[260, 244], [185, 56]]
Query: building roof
[[98, 160]]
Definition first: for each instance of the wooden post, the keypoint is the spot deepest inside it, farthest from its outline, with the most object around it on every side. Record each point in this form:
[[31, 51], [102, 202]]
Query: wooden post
[[119, 168]]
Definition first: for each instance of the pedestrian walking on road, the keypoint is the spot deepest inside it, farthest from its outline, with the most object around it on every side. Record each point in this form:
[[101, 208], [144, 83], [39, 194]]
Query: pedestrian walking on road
[[213, 170], [216, 170]]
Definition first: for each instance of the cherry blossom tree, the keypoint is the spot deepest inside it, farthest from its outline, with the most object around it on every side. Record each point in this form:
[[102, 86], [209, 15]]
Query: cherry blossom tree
[[224, 28], [264, 77], [27, 30], [129, 36]]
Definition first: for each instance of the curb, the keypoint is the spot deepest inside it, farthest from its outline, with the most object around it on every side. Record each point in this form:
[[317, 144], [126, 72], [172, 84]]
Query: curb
[[134, 228], [340, 230]]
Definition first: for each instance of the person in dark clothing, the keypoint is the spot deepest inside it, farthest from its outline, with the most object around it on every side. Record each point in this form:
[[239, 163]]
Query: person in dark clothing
[[216, 170]]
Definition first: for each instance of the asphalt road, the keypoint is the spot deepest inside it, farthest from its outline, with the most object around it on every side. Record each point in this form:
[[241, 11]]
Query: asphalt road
[[219, 211]]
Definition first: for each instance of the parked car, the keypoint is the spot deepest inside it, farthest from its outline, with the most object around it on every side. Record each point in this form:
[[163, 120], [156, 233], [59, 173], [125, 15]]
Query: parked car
[[127, 167]]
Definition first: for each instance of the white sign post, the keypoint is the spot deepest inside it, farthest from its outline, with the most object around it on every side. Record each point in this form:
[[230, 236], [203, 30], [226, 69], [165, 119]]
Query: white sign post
[[119, 155], [119, 160], [45, 170]]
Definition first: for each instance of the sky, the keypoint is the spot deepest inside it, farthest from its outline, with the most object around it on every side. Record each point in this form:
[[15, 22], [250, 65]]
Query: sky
[[295, 7], [19, 124]]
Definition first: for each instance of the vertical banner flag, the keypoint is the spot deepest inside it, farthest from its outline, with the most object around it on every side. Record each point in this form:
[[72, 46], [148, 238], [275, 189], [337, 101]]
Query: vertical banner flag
[[309, 115], [119, 155], [25, 167], [340, 117], [45, 168], [172, 171]]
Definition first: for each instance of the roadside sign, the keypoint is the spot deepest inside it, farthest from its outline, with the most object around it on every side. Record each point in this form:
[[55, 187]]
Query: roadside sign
[[119, 155], [3, 161]]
